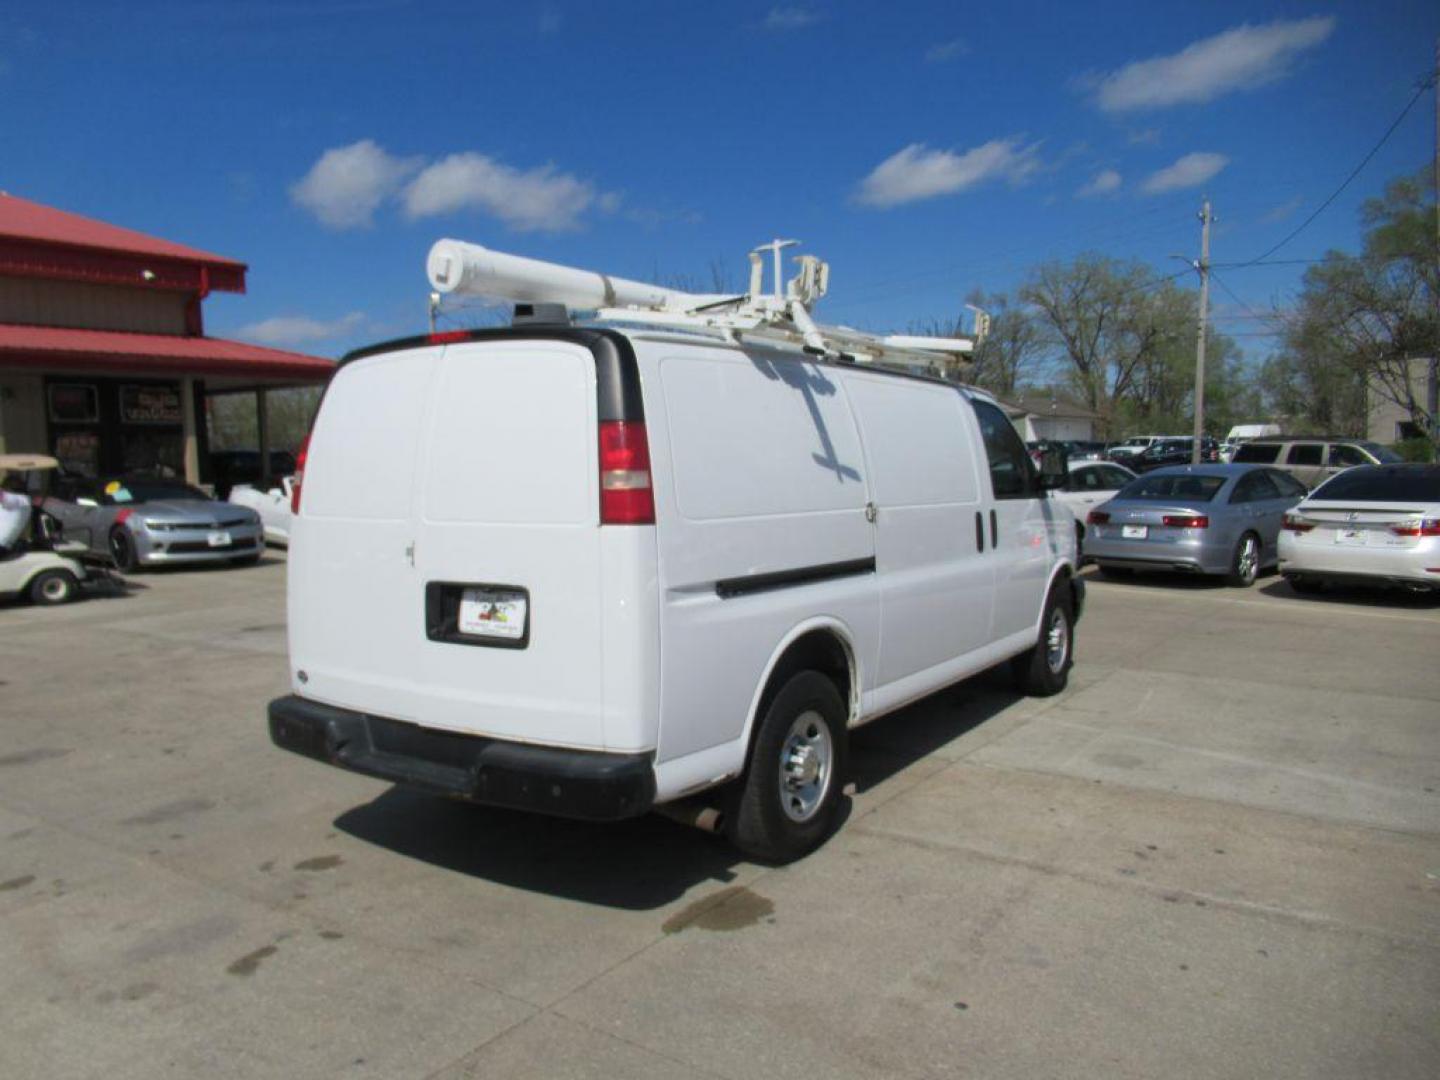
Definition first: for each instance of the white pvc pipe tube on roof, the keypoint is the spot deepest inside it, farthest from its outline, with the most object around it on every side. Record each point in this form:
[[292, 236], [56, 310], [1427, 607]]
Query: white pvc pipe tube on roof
[[469, 269]]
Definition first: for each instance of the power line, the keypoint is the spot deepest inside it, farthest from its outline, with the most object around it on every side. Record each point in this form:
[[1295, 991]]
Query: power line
[[1425, 85]]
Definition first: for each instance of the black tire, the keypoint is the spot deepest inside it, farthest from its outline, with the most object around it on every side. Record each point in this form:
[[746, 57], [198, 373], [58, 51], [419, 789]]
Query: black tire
[[1115, 573], [1245, 562], [53, 587], [1079, 544], [770, 819], [1044, 669], [1304, 585], [122, 550]]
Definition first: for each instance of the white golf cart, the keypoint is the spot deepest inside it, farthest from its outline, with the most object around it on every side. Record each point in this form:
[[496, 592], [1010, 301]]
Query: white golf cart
[[44, 566]]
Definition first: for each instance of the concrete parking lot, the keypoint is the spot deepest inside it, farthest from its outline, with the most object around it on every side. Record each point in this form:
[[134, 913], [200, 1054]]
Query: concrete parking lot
[[1216, 855]]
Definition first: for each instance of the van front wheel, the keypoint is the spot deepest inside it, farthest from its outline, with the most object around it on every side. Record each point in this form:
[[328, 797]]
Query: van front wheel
[[1044, 669], [789, 799]]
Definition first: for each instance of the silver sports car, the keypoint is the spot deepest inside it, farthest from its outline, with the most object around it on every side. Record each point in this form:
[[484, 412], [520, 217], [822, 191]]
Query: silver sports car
[[1202, 519], [140, 521]]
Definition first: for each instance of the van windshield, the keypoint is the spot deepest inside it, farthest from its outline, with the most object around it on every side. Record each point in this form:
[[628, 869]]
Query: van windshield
[[1382, 454], [1182, 487]]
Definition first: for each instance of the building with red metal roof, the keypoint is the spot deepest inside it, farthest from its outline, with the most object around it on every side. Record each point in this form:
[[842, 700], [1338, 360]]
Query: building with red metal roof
[[104, 361]]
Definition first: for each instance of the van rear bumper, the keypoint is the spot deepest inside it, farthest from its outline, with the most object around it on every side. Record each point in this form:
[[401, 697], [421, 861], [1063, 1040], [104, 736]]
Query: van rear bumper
[[585, 784]]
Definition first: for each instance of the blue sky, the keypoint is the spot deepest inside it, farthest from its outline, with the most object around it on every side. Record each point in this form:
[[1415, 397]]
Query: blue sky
[[923, 149]]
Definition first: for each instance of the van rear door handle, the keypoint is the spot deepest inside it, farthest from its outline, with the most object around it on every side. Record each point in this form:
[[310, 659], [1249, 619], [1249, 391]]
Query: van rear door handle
[[979, 532], [994, 531]]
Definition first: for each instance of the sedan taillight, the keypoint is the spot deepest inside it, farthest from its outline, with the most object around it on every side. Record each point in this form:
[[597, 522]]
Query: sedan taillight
[[1097, 517], [1186, 521], [1423, 527], [1295, 523]]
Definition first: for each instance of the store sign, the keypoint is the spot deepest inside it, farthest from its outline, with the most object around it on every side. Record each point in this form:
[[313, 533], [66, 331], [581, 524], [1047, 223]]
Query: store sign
[[74, 403], [150, 405]]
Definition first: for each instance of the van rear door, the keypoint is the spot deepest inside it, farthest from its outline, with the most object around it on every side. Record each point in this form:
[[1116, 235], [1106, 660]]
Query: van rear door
[[446, 568]]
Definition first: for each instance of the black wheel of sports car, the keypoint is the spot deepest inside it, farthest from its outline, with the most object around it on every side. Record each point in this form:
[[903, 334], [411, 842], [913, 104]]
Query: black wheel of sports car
[[122, 550]]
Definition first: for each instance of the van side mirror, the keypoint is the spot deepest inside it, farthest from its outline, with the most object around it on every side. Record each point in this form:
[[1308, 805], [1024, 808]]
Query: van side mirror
[[1054, 468]]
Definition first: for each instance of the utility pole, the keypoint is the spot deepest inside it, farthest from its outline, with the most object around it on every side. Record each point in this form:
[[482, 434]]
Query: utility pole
[[1204, 267]]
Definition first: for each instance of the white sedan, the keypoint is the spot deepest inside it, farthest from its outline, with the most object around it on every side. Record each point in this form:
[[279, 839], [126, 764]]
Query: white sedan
[[1089, 484], [1373, 524], [273, 506]]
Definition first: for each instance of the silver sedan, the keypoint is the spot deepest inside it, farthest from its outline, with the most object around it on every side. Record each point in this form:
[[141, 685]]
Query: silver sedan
[[1199, 519]]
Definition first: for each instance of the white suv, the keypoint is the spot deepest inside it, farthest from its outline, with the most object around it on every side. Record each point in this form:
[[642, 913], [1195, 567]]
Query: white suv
[[590, 572]]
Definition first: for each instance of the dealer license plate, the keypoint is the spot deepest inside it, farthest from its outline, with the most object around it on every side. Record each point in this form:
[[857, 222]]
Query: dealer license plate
[[493, 613], [1134, 532], [218, 539]]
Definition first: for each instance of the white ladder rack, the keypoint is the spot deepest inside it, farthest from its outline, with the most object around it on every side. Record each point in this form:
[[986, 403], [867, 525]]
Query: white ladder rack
[[780, 316]]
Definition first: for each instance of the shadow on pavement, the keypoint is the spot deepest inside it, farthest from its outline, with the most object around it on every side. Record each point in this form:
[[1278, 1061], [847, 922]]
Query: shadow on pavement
[[1358, 596], [651, 861]]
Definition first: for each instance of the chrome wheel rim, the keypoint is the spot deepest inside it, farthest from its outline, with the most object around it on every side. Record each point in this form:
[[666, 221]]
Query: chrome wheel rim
[[807, 761], [1249, 560], [1057, 641], [55, 589]]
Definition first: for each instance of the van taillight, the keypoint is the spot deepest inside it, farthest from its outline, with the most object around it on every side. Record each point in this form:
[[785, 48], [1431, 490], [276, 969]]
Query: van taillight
[[447, 337], [1186, 521], [626, 497], [299, 475], [1097, 517]]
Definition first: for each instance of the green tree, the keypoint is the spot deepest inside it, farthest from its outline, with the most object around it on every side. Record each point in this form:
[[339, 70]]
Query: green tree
[[1367, 322]]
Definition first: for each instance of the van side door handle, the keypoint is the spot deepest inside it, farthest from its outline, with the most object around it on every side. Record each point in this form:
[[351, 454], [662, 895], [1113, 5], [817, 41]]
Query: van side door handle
[[994, 531], [979, 532]]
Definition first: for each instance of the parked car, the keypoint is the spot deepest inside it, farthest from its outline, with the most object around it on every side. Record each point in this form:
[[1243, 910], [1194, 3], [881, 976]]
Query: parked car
[[144, 521], [1175, 451], [272, 505], [1373, 524], [1124, 451], [1201, 519], [1089, 484], [656, 572], [231, 467], [1312, 459], [1084, 450]]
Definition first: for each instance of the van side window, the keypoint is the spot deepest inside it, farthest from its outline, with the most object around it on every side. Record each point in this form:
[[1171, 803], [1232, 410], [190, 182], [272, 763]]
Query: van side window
[[1010, 470], [1305, 454]]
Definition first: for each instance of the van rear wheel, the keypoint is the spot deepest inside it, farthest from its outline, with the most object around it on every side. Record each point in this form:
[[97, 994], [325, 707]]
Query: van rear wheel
[[789, 799]]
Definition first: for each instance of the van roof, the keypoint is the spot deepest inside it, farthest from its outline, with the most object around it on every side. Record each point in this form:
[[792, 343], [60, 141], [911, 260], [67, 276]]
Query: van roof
[[564, 331]]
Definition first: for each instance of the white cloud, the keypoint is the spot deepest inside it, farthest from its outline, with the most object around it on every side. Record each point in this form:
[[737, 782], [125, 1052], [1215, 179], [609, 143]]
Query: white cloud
[[1192, 170], [1284, 210], [946, 50], [534, 199], [917, 172], [344, 188], [1105, 182], [789, 18], [1238, 59], [294, 330]]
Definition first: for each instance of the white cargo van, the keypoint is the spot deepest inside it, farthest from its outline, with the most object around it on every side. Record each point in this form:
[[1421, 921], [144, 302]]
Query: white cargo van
[[592, 572]]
